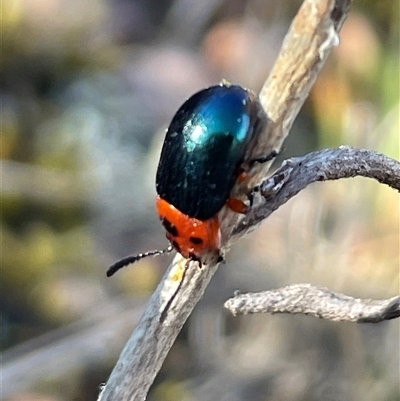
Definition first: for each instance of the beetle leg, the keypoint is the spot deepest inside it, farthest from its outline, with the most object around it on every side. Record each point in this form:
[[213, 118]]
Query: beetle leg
[[264, 159], [237, 205]]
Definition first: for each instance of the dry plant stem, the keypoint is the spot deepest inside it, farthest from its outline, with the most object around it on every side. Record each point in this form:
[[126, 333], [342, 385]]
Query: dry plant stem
[[313, 33], [328, 164], [315, 301], [307, 45]]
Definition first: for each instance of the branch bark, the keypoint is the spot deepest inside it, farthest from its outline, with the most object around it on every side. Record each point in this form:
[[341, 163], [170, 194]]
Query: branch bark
[[328, 164], [312, 35], [315, 301]]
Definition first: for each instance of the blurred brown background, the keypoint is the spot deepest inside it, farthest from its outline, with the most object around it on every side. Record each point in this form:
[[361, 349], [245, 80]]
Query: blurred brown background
[[88, 88]]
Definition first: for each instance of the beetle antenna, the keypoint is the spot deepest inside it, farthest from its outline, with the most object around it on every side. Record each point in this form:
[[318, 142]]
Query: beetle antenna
[[132, 259]]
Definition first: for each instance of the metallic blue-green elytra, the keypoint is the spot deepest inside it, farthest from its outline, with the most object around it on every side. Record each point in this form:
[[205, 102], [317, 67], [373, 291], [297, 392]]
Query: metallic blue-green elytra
[[204, 148]]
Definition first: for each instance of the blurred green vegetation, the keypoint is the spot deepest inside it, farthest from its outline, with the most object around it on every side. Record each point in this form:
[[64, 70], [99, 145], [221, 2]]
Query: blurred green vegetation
[[86, 86]]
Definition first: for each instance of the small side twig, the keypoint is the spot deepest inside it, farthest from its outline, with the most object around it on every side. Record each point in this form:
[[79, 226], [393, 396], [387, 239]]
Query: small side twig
[[328, 164], [315, 301]]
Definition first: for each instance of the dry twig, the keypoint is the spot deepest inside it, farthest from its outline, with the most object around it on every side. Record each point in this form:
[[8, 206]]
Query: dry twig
[[315, 301], [328, 164]]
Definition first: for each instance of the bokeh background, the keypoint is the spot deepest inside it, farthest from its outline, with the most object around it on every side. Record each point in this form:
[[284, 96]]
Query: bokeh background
[[88, 88]]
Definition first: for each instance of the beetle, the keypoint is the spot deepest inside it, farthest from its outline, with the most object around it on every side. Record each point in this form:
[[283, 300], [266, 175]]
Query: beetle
[[206, 152]]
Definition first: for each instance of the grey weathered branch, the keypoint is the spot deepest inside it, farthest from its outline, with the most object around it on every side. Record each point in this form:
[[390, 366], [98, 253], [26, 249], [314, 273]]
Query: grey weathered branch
[[315, 301], [328, 164], [306, 47]]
